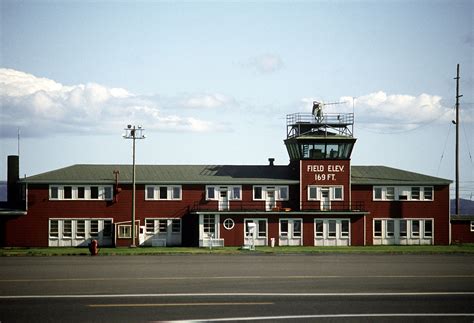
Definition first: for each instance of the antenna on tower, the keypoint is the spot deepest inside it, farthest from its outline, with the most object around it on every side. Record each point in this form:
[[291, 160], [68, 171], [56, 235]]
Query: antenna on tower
[[318, 109]]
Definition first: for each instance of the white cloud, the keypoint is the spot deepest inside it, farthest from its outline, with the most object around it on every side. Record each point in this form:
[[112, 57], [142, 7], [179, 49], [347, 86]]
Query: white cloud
[[40, 106], [207, 101], [391, 111], [264, 64]]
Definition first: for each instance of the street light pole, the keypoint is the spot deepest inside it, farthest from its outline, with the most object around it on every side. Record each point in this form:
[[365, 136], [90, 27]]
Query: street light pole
[[133, 132]]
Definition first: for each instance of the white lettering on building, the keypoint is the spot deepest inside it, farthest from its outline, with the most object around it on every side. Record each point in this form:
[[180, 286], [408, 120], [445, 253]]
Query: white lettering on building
[[325, 174]]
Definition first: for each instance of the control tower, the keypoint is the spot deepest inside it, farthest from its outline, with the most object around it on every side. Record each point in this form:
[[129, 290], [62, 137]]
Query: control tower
[[319, 135]]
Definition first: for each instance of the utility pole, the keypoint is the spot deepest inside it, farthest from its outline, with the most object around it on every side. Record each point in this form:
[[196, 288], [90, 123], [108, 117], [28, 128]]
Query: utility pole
[[132, 132], [457, 139]]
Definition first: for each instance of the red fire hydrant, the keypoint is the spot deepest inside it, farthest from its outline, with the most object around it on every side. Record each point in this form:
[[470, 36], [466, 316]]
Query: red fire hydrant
[[94, 248]]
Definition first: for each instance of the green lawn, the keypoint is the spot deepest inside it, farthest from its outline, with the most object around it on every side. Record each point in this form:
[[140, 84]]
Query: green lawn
[[465, 248]]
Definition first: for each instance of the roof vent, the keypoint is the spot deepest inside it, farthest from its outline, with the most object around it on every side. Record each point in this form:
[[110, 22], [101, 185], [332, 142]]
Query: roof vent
[[271, 161]]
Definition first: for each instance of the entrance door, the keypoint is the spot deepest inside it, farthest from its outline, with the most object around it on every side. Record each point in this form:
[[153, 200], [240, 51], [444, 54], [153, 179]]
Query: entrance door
[[291, 232], [260, 236], [270, 201], [325, 200], [223, 199], [332, 232]]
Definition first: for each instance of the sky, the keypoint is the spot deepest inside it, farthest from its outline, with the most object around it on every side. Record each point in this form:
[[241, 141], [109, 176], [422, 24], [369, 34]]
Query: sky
[[212, 82]]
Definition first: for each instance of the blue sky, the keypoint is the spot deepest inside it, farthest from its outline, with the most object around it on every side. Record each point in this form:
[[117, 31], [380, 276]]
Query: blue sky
[[212, 82]]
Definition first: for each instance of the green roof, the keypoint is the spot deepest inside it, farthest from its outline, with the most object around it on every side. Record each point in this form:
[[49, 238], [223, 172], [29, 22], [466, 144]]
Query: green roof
[[382, 175], [168, 174], [221, 174]]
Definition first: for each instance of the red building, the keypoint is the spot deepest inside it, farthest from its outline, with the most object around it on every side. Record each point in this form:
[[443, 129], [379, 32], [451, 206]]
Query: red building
[[319, 199]]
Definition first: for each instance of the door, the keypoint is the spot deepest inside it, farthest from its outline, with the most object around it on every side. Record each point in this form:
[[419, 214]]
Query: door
[[223, 199], [332, 232], [270, 200], [325, 200], [259, 238], [291, 232]]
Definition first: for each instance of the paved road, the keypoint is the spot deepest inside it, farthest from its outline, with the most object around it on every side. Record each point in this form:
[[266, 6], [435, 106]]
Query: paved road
[[305, 287]]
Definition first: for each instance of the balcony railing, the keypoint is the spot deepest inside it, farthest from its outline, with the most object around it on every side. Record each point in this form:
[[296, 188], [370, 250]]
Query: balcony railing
[[278, 206]]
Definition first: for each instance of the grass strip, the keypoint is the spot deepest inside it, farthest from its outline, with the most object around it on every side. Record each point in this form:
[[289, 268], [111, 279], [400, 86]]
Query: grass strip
[[70, 251]]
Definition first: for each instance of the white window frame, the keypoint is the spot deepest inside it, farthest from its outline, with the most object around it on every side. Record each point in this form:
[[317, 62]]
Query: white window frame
[[380, 233], [277, 189], [399, 192], [228, 224], [284, 233], [169, 192], [56, 233], [472, 226], [101, 196], [332, 192], [257, 221], [216, 189], [124, 231]]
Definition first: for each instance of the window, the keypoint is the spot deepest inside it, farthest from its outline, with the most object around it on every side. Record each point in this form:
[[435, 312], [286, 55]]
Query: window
[[332, 228], [378, 228], [345, 228], [236, 193], [54, 228], [283, 192], [403, 193], [262, 228], [428, 193], [176, 193], [415, 228], [377, 193], [108, 193], [94, 228], [80, 229], [149, 226], [415, 193], [54, 192], [329, 193], [257, 193], [67, 229], [175, 226], [94, 192], [390, 229], [68, 192], [337, 193], [319, 228], [107, 232], [229, 224], [125, 231], [390, 193], [162, 226], [428, 230], [472, 226], [284, 228], [81, 192], [296, 228], [150, 192], [403, 228], [209, 224], [211, 193], [163, 193], [313, 193]]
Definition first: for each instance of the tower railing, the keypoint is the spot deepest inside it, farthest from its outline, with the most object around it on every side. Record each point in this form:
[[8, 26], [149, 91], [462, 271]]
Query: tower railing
[[301, 123]]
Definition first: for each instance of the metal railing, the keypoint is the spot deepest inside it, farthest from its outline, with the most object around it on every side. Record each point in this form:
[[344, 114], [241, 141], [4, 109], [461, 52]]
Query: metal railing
[[332, 119], [279, 206]]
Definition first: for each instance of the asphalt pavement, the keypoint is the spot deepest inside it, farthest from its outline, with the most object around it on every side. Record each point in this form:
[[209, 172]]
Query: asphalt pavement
[[356, 288]]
